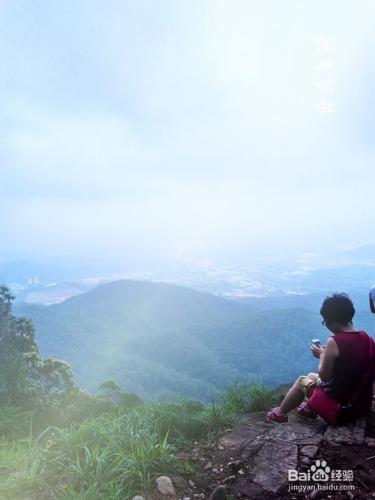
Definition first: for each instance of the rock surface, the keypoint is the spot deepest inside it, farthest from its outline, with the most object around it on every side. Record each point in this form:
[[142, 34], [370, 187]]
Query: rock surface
[[350, 434], [253, 460], [309, 451], [179, 482]]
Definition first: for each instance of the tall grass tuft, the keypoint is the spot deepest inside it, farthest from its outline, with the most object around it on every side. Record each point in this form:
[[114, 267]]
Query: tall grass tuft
[[246, 397], [119, 455]]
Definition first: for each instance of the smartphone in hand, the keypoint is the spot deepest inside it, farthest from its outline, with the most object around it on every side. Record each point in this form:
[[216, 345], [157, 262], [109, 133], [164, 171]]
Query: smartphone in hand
[[316, 342]]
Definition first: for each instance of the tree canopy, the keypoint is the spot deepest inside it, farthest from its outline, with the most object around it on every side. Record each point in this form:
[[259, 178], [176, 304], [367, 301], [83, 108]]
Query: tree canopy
[[26, 379]]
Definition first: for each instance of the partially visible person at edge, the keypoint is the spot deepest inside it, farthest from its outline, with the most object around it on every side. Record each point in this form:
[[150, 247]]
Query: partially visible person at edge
[[343, 364], [371, 297]]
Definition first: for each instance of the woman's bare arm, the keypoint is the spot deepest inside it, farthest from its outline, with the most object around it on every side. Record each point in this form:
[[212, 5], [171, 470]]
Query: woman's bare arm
[[327, 359]]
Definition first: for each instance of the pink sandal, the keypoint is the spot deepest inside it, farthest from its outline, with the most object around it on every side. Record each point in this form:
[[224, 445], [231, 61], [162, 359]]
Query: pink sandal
[[304, 410], [275, 415]]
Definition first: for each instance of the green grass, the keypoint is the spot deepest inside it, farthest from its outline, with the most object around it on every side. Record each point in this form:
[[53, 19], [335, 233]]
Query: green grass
[[247, 397], [15, 422], [118, 456]]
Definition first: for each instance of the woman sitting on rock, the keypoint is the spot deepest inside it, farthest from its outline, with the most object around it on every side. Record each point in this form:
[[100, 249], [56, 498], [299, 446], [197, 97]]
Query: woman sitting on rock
[[346, 370]]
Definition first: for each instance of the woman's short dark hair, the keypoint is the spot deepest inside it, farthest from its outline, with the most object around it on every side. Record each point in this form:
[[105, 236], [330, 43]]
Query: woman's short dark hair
[[338, 308]]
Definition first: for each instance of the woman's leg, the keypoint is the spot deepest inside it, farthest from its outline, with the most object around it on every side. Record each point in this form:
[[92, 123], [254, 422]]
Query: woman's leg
[[294, 397], [313, 376], [297, 393]]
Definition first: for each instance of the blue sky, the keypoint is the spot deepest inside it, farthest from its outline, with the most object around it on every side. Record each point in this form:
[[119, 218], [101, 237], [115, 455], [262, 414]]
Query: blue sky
[[185, 128]]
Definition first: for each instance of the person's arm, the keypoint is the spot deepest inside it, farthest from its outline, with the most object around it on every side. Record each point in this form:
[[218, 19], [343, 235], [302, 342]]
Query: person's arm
[[327, 358]]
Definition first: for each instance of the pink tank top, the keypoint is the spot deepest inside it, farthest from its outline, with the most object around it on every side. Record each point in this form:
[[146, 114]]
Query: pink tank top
[[350, 368]]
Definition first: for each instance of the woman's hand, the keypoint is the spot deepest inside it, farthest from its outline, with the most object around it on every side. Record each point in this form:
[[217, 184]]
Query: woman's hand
[[316, 351]]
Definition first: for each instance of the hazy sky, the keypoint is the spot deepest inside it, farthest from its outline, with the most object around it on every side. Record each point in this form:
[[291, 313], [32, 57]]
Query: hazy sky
[[191, 128]]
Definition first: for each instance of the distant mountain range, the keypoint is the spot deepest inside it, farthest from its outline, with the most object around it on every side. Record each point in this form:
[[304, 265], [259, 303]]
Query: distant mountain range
[[164, 341], [55, 280]]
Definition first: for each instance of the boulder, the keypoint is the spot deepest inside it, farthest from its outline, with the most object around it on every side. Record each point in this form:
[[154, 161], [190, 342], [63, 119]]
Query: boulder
[[219, 493], [165, 486]]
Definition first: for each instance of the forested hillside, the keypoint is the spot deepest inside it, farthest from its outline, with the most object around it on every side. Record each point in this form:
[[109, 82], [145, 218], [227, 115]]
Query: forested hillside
[[160, 340], [58, 441]]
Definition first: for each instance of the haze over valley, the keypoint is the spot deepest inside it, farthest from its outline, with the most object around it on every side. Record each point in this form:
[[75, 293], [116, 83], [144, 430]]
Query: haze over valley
[[192, 329], [293, 278]]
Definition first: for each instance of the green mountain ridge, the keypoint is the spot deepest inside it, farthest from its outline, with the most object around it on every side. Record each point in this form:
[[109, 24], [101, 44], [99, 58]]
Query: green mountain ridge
[[165, 341]]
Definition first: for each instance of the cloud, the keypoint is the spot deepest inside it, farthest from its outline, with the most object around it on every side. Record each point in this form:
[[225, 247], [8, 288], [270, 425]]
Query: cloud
[[77, 155], [184, 124]]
